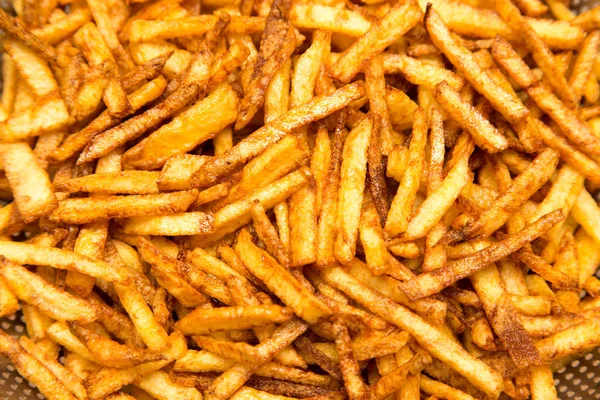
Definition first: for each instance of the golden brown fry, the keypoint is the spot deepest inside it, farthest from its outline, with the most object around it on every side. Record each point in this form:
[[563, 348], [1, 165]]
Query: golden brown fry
[[148, 31], [401, 207], [355, 386], [33, 370], [134, 127], [161, 386], [267, 233], [319, 107], [467, 117], [34, 254], [153, 335], [427, 335], [127, 182], [171, 139], [281, 282], [14, 28], [419, 72], [350, 194], [539, 50], [567, 120], [434, 281], [504, 205], [110, 353], [100, 12], [582, 69], [227, 383], [34, 290], [191, 223], [108, 380], [467, 20], [168, 271], [393, 381], [463, 59], [30, 184], [83, 210], [235, 215], [206, 320], [396, 22], [277, 45], [73, 143]]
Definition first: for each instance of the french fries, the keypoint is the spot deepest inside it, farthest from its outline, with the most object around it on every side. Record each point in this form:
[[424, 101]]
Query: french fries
[[297, 199]]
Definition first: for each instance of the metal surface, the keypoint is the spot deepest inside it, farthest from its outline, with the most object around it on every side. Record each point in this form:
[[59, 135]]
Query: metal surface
[[580, 380]]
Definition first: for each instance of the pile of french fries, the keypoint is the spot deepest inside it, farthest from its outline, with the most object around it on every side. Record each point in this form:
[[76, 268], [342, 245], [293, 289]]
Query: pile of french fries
[[268, 199]]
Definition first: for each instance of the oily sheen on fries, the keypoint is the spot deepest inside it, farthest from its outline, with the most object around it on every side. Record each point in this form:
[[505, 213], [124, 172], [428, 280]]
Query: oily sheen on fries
[[207, 199]]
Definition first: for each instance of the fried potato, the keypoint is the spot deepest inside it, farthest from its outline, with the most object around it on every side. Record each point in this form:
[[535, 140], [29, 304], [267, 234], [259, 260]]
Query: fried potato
[[108, 380], [484, 134], [34, 290], [127, 182], [152, 152], [478, 22], [34, 371], [103, 143], [282, 283], [187, 123], [73, 143], [431, 338], [192, 223], [396, 22], [566, 119], [69, 210], [33, 254], [463, 59], [154, 30], [159, 385], [350, 194], [434, 281], [420, 72], [258, 141], [401, 207], [522, 188], [14, 28], [33, 193], [232, 379], [110, 353], [206, 320], [235, 215]]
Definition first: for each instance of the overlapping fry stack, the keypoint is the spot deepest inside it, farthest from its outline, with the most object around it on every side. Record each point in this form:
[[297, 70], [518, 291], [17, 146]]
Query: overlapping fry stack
[[307, 199]]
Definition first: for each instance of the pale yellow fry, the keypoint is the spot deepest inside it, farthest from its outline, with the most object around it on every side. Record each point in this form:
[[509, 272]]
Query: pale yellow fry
[[153, 335]]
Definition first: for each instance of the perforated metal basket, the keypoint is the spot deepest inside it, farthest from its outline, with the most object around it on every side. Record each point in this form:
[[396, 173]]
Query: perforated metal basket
[[579, 380]]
